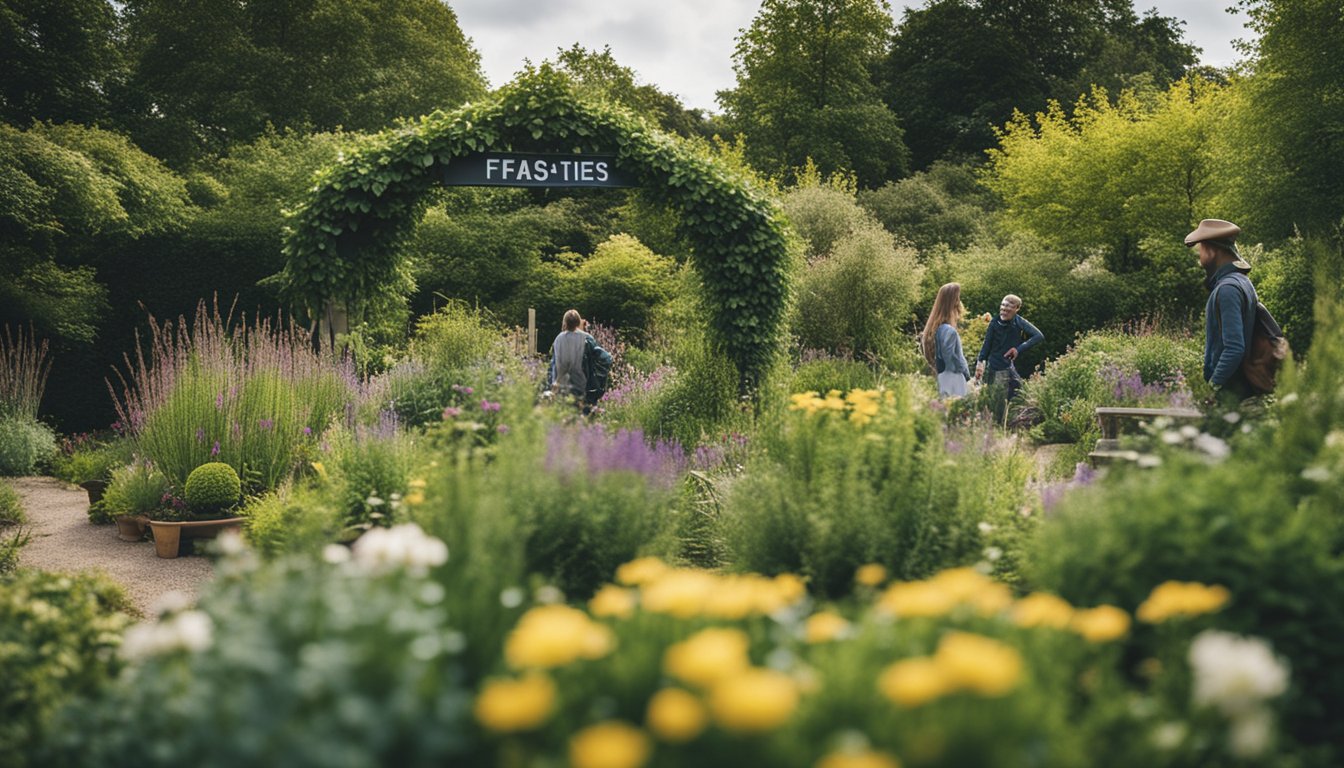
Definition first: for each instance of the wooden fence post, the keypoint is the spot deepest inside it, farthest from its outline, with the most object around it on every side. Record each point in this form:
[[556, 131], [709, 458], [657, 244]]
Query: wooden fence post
[[531, 331]]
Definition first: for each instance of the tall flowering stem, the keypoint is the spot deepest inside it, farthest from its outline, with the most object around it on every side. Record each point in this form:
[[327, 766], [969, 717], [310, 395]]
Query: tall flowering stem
[[24, 368]]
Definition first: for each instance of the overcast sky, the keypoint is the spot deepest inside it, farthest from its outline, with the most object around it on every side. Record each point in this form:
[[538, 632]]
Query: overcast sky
[[685, 47]]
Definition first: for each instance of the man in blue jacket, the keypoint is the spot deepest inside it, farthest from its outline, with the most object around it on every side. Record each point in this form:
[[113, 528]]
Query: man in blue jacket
[[1007, 336], [1229, 314]]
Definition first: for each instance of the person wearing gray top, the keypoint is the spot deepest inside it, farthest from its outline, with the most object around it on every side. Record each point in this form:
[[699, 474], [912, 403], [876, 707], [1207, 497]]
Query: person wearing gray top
[[579, 366]]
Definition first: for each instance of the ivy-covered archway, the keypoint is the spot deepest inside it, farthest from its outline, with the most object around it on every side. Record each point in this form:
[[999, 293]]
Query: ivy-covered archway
[[345, 241]]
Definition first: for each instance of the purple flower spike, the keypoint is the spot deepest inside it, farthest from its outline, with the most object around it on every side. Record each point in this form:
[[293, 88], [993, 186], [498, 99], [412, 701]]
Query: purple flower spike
[[265, 424], [215, 450], [200, 435], [307, 431], [219, 401]]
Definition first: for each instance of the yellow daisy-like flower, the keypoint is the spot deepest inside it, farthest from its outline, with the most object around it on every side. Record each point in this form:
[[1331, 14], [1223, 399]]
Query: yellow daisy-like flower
[[507, 706], [414, 498], [916, 599], [753, 701], [676, 716], [969, 586], [418, 482], [860, 759], [1101, 624], [682, 593], [914, 682], [1179, 598], [1041, 609], [735, 597], [556, 635], [804, 401], [641, 571], [708, 656], [613, 601], [612, 744], [825, 626], [979, 663], [871, 575]]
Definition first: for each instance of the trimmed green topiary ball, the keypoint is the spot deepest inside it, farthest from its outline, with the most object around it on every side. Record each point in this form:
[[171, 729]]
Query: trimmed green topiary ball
[[212, 488]]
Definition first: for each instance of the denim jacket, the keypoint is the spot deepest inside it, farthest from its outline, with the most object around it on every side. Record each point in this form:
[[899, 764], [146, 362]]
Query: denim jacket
[[1229, 319], [1001, 336]]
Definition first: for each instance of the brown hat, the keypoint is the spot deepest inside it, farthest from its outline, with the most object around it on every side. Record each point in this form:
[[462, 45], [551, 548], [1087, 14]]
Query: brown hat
[[1218, 232]]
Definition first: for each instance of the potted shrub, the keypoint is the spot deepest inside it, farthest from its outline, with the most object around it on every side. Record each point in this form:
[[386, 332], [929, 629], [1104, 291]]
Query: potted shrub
[[92, 469], [135, 492], [213, 490]]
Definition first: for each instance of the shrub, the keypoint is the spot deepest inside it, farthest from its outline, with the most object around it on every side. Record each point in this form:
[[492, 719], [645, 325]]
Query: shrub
[[859, 299], [1113, 368], [26, 445], [700, 398], [820, 372], [845, 480], [212, 488], [1284, 282], [369, 469], [135, 489], [822, 216], [59, 635], [359, 662], [292, 519], [11, 506], [943, 205], [623, 283], [92, 460]]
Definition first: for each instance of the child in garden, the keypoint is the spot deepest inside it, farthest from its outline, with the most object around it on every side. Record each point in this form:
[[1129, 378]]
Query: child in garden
[[941, 343], [1007, 336], [579, 366]]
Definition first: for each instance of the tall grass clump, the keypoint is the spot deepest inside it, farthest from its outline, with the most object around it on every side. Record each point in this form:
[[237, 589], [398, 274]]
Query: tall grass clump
[[245, 395], [24, 368], [842, 480]]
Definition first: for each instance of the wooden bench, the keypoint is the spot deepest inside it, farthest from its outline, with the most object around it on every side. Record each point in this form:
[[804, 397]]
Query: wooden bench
[[1110, 419]]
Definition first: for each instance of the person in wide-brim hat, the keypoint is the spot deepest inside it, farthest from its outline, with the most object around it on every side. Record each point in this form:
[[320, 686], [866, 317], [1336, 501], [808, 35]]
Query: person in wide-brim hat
[[1222, 234]]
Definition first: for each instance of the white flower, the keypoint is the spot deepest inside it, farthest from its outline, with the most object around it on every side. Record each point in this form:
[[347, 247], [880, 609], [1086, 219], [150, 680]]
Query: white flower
[[1316, 474], [1233, 673], [1148, 461], [1288, 399], [992, 554], [511, 597], [194, 630], [170, 602], [1250, 733], [335, 554], [1231, 417], [230, 543], [187, 631], [1215, 447], [1189, 433], [1168, 736], [984, 527], [1172, 437], [401, 546], [548, 595]]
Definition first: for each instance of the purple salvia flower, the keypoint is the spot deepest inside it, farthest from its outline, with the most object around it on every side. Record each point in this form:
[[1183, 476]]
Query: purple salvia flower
[[219, 401], [265, 424], [307, 431], [200, 435], [214, 451]]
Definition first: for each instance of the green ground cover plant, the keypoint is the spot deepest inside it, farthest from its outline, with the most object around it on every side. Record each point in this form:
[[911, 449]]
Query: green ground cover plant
[[26, 445]]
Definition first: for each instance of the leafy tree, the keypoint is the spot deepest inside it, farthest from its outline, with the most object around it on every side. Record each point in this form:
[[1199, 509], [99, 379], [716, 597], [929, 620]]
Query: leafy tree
[[1289, 132], [599, 73], [1112, 173], [959, 67], [805, 89], [60, 59], [211, 74], [944, 204]]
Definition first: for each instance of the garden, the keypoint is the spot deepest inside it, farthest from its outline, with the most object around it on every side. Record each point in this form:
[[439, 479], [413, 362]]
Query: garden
[[293, 357]]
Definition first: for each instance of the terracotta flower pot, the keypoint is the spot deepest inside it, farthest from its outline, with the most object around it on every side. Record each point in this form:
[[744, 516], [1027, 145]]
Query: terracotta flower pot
[[131, 527], [168, 535], [95, 489]]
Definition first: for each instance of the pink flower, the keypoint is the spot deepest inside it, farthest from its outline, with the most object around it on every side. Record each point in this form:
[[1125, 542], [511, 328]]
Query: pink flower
[[502, 429], [451, 413], [489, 407]]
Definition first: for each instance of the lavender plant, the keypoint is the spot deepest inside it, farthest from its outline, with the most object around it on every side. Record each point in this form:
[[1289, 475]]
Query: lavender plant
[[24, 368]]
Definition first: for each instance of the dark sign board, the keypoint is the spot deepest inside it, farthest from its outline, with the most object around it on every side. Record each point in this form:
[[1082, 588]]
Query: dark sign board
[[519, 169]]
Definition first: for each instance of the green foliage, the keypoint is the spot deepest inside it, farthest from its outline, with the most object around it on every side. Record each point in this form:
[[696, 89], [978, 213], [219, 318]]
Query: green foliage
[[454, 337], [11, 506], [599, 75], [26, 445], [860, 299], [93, 461], [289, 520], [805, 89], [61, 61], [700, 400], [369, 470], [360, 662], [1099, 370], [1285, 284], [212, 488], [58, 637], [24, 368], [823, 373], [943, 205], [956, 69], [214, 76], [135, 489], [832, 490], [822, 215], [1112, 173], [346, 239], [622, 284]]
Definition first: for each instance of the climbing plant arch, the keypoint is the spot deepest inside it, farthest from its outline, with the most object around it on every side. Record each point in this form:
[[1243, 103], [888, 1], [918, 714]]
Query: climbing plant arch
[[344, 242]]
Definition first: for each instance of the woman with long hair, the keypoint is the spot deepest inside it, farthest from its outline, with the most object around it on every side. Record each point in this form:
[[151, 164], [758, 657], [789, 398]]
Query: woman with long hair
[[941, 344]]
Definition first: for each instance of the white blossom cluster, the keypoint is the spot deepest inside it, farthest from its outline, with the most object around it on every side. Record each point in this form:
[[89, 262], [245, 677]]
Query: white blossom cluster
[[191, 631], [1237, 676], [401, 546]]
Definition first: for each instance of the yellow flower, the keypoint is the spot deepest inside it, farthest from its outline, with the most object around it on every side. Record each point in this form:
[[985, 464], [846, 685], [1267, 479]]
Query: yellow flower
[[735, 597], [415, 497], [320, 469], [555, 635], [871, 575], [641, 571], [753, 701], [708, 656], [914, 682], [967, 585], [916, 598], [1041, 609], [418, 482], [804, 401], [613, 601], [676, 716], [789, 588], [833, 402], [862, 759], [505, 706], [979, 663], [1178, 598], [612, 744], [682, 592], [825, 626], [1101, 624]]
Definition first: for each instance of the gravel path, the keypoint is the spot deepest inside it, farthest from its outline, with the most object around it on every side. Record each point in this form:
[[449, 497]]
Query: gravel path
[[63, 539]]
